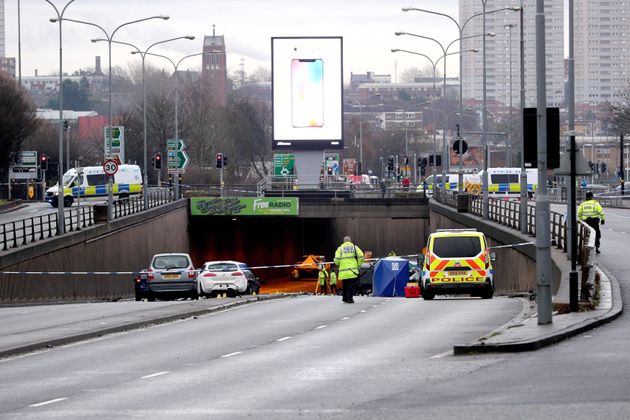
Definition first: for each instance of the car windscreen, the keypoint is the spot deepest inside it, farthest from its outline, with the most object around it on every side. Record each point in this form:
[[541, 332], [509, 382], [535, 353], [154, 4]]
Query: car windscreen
[[222, 267], [171, 261], [457, 246]]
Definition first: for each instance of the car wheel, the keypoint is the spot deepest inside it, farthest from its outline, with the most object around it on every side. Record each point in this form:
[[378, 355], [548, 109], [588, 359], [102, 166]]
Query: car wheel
[[231, 293], [138, 297], [248, 291], [487, 294], [194, 295], [428, 295]]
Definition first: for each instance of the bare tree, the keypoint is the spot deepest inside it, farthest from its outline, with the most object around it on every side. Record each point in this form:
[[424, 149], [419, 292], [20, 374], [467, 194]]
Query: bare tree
[[410, 74]]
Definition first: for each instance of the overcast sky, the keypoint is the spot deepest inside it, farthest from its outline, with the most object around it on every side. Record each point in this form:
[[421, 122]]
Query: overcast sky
[[367, 27]]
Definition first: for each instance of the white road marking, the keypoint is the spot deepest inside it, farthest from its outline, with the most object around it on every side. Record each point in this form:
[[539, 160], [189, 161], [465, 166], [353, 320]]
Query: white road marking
[[320, 327], [232, 354], [56, 400], [374, 306], [345, 317], [283, 339], [153, 375], [442, 355], [364, 311]]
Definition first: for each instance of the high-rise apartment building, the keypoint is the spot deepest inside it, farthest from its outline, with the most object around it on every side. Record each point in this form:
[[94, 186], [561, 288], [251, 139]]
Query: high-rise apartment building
[[2, 38], [504, 48], [214, 70], [602, 50]]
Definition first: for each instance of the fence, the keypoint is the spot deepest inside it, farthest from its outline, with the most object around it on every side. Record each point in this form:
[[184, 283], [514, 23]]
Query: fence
[[32, 229]]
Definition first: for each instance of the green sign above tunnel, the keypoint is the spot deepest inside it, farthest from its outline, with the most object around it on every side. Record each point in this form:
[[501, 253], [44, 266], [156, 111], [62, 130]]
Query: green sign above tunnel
[[244, 206]]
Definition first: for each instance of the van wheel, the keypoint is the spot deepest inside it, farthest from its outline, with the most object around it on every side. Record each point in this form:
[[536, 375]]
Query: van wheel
[[67, 201], [427, 295]]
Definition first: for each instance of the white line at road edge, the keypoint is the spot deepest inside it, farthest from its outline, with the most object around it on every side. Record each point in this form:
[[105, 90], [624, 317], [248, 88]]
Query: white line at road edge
[[48, 402], [345, 317], [153, 375], [442, 355], [364, 311], [232, 354], [283, 339], [320, 327]]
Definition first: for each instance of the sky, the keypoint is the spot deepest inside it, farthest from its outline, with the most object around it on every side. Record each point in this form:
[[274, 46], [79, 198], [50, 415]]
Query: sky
[[367, 28]]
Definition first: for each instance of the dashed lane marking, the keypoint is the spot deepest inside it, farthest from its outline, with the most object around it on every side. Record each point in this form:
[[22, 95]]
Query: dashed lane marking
[[153, 375], [283, 339], [320, 327], [442, 355], [41, 404], [231, 354]]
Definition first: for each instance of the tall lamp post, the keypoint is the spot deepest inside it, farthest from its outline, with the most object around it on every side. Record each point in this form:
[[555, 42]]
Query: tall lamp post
[[143, 55], [109, 38], [444, 55], [460, 28], [360, 164], [508, 160], [61, 228], [175, 67]]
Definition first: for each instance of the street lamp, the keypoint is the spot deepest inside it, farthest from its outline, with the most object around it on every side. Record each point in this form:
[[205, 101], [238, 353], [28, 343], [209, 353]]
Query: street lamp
[[460, 28], [109, 38], [175, 67], [445, 53], [433, 64], [61, 228], [143, 55], [508, 139], [360, 164]]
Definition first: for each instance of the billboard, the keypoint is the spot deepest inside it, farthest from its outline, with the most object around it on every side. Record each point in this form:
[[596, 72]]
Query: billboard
[[244, 206], [307, 93]]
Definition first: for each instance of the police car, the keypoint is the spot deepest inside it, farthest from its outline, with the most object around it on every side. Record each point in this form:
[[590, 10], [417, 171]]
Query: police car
[[457, 261]]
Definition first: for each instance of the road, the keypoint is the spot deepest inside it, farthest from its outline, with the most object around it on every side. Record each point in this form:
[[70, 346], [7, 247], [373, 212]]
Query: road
[[280, 359]]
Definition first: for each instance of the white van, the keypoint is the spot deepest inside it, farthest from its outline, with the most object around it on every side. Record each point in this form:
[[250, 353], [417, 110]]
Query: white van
[[472, 183], [508, 180], [91, 181]]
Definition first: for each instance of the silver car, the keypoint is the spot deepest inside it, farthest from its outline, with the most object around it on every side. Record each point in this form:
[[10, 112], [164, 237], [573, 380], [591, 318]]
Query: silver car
[[168, 275]]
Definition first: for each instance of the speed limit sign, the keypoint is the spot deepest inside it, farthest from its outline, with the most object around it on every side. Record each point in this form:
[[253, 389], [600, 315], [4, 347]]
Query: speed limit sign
[[110, 167]]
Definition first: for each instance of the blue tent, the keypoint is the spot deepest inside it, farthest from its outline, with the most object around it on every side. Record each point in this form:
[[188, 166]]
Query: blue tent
[[391, 275]]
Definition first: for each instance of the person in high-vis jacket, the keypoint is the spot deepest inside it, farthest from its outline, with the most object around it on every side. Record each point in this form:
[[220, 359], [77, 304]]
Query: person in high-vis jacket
[[322, 276], [333, 281], [349, 259], [591, 212]]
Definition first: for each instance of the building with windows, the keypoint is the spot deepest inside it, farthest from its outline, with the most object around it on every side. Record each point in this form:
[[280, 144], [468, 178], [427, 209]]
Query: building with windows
[[2, 37], [504, 48], [602, 50], [214, 70]]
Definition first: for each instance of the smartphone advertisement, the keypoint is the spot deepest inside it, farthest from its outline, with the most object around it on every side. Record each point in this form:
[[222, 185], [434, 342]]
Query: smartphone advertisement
[[307, 92]]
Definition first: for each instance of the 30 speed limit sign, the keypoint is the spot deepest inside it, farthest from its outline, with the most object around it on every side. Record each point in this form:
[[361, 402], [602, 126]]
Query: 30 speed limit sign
[[110, 167]]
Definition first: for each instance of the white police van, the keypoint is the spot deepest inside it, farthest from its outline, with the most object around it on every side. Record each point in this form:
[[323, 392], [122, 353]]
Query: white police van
[[91, 181]]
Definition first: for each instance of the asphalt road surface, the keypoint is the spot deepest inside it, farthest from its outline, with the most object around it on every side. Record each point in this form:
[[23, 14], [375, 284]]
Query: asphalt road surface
[[305, 356]]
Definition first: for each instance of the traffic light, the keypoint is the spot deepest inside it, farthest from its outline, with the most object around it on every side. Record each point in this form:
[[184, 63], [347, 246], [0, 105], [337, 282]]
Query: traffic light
[[603, 168], [390, 163], [157, 161], [329, 170], [43, 162], [423, 171], [590, 163], [65, 125], [219, 160], [224, 160]]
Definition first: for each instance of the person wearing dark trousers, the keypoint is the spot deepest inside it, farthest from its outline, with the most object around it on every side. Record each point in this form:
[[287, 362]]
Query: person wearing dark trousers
[[348, 259], [592, 213]]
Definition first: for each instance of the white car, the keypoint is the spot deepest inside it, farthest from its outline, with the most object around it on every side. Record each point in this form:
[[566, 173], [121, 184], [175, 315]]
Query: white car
[[230, 277]]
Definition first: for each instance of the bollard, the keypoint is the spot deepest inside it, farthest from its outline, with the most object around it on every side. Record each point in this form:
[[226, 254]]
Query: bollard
[[573, 291]]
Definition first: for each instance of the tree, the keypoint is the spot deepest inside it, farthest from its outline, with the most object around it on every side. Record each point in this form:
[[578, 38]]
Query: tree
[[17, 118], [620, 113], [410, 74], [75, 96]]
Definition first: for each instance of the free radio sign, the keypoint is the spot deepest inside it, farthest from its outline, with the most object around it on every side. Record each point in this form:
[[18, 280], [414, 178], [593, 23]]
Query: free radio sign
[[110, 167]]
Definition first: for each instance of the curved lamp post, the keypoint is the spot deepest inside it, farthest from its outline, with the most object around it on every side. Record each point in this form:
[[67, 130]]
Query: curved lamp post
[[61, 228], [175, 67], [143, 55], [109, 38]]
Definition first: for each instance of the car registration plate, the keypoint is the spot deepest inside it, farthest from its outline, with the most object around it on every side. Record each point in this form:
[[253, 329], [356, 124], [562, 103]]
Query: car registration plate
[[457, 273], [170, 276]]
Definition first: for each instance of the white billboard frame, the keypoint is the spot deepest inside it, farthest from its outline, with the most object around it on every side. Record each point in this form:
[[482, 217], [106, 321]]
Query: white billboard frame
[[307, 93]]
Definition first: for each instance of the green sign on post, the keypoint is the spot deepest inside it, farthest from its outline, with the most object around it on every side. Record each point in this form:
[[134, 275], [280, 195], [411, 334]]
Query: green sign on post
[[176, 157], [244, 206], [283, 164]]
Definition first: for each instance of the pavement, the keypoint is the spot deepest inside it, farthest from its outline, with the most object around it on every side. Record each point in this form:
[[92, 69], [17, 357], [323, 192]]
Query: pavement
[[523, 333]]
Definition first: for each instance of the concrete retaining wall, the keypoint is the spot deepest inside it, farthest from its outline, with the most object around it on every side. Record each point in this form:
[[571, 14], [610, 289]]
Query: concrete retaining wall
[[126, 244]]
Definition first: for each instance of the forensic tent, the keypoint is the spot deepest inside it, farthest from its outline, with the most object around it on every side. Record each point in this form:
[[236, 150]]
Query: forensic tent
[[391, 275]]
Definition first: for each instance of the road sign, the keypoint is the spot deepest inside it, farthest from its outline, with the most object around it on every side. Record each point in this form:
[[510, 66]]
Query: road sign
[[118, 142], [176, 157], [110, 167]]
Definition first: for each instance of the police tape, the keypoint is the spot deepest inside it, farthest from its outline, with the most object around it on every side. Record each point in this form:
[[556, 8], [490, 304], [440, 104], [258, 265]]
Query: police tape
[[512, 245], [318, 265]]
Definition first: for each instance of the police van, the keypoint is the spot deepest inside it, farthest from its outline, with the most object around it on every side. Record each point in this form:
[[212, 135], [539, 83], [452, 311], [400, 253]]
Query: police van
[[456, 261], [508, 181], [472, 183], [91, 181]]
